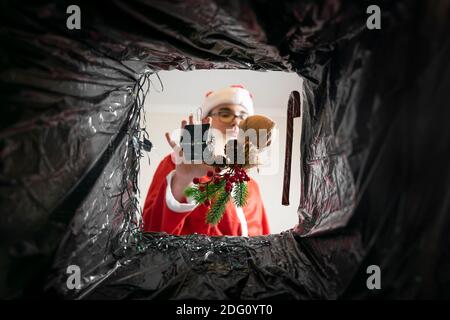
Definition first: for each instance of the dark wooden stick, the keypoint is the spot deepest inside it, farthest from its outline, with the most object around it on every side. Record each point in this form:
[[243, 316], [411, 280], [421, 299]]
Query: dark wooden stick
[[293, 111]]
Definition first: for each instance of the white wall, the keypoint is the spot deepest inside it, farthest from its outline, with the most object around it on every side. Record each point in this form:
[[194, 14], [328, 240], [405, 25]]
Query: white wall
[[183, 93]]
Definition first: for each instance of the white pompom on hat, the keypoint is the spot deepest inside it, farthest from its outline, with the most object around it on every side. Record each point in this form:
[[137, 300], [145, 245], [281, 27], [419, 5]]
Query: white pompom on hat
[[234, 94]]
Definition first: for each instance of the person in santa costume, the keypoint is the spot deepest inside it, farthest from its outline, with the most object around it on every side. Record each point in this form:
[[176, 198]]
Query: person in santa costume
[[166, 208]]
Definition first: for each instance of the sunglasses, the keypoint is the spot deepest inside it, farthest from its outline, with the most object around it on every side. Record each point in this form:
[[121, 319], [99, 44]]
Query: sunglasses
[[228, 117]]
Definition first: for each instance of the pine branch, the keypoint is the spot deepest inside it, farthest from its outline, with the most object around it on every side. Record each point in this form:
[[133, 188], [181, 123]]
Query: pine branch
[[213, 188], [191, 192], [217, 209], [200, 196], [194, 193], [240, 193]]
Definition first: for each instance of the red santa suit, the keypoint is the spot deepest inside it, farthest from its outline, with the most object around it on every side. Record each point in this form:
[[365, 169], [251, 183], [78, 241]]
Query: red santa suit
[[163, 213]]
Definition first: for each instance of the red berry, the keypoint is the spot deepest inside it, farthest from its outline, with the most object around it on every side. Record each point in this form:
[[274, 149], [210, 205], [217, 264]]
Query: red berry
[[210, 173], [247, 178], [207, 202], [201, 188], [217, 169], [227, 188], [226, 176], [196, 180], [217, 181]]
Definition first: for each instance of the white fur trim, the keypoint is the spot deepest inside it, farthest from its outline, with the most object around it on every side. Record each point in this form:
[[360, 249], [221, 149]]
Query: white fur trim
[[233, 95], [243, 220], [173, 203]]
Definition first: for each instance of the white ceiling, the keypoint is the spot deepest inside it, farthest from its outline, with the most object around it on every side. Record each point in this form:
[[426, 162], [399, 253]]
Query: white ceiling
[[184, 90]]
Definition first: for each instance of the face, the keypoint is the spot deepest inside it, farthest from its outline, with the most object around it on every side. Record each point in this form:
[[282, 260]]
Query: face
[[220, 116]]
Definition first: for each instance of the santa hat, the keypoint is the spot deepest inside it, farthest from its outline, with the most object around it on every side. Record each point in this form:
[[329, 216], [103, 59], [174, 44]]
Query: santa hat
[[235, 94]]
